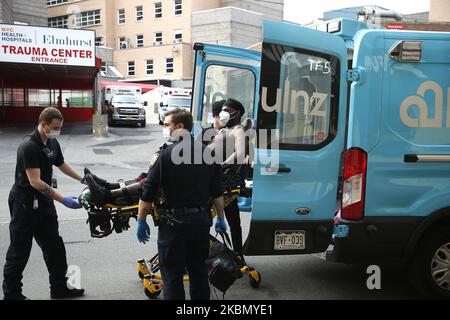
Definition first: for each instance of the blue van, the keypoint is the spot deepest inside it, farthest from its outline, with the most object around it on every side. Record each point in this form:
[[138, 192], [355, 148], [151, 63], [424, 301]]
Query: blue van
[[352, 143]]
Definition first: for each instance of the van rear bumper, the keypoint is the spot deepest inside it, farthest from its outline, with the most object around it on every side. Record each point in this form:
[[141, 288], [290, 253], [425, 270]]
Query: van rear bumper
[[262, 236], [375, 239]]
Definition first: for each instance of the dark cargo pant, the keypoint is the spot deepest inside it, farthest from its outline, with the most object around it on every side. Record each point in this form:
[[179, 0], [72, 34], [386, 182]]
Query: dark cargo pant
[[181, 249], [26, 223]]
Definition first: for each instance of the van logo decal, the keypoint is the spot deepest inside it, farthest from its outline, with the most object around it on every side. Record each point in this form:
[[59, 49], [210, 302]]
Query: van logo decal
[[424, 120], [312, 104]]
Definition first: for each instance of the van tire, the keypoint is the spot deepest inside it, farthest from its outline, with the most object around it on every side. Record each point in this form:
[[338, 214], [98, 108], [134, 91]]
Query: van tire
[[420, 267]]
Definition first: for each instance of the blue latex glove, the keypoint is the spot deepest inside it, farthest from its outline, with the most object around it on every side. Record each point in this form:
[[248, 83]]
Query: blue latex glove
[[143, 231], [220, 226], [71, 202]]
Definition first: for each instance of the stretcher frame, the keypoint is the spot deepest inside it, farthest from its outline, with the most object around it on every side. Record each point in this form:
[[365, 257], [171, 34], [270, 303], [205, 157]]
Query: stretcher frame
[[113, 217]]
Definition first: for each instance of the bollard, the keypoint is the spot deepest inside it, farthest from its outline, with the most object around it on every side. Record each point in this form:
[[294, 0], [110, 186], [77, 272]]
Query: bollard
[[100, 125]]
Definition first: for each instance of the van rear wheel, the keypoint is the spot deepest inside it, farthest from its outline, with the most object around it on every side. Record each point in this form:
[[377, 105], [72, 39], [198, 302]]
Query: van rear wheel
[[429, 271]]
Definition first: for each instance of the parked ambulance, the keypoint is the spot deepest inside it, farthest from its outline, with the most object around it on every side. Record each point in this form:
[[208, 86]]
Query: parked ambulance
[[161, 99], [352, 142], [110, 91]]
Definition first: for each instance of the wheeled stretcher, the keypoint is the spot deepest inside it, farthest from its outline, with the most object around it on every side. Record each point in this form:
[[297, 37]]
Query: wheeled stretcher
[[103, 220]]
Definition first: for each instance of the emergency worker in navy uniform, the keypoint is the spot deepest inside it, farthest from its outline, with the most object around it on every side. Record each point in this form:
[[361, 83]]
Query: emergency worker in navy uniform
[[187, 186], [33, 213]]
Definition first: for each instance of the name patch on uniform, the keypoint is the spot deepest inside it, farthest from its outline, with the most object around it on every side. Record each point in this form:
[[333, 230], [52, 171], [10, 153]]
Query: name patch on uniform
[[154, 158]]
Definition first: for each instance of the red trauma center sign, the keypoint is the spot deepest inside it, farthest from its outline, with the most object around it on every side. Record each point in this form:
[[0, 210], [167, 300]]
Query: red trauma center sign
[[24, 44], [44, 52]]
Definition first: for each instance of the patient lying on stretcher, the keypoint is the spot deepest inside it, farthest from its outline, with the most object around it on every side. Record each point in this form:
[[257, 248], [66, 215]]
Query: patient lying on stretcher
[[121, 193], [129, 192]]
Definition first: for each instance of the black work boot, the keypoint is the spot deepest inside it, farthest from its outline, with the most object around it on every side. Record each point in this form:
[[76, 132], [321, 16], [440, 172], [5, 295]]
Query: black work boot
[[19, 297], [101, 182], [100, 195], [64, 292]]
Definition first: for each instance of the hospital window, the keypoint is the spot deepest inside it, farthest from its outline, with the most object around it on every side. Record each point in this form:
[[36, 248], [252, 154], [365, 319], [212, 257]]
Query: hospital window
[[139, 40], [54, 2], [77, 98], [38, 97], [178, 36], [123, 44], [99, 41], [158, 38], [58, 22], [178, 6], [139, 13], [131, 68], [121, 16], [149, 66], [158, 10], [221, 83], [13, 97], [88, 18], [32, 97], [169, 65]]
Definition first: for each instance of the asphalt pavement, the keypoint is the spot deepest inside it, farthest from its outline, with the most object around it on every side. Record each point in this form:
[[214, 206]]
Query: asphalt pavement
[[108, 265]]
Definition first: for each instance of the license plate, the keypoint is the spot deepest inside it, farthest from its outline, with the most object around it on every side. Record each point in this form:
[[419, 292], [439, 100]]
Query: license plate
[[129, 118], [289, 240]]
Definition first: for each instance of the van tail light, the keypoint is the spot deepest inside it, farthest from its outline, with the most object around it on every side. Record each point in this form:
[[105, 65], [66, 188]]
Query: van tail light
[[354, 184]]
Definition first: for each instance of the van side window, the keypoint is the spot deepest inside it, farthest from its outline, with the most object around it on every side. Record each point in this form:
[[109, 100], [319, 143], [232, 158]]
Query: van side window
[[299, 97], [223, 82]]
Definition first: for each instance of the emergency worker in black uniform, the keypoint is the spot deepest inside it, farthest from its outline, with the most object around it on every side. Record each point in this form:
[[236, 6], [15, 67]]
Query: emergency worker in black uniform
[[187, 183], [33, 213]]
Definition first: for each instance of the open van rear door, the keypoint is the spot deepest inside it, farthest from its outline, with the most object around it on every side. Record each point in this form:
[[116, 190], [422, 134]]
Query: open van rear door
[[220, 73], [301, 134]]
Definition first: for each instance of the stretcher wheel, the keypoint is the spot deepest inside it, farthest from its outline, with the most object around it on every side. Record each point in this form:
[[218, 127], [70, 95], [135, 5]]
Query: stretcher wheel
[[152, 289], [152, 295], [254, 277], [153, 292]]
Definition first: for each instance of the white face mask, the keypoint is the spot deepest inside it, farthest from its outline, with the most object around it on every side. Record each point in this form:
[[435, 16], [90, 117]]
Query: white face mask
[[168, 138], [53, 134], [166, 135], [224, 118]]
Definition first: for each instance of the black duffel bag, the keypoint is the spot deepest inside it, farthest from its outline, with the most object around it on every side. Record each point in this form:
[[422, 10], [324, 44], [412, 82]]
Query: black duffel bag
[[223, 264]]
